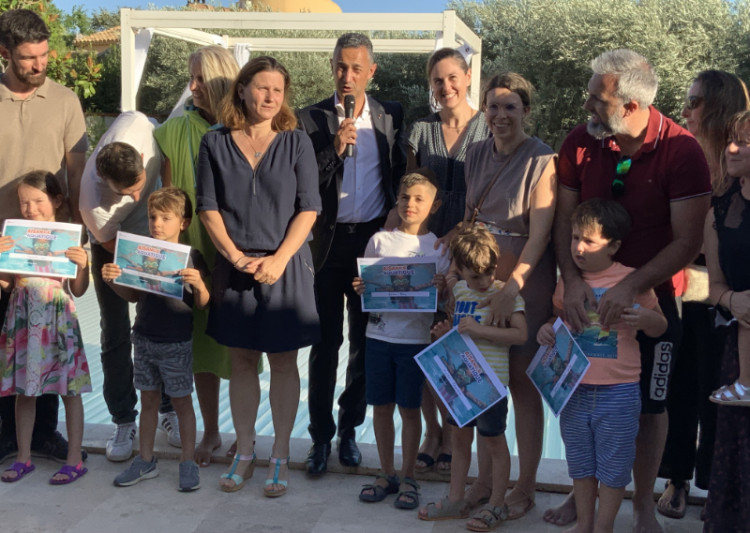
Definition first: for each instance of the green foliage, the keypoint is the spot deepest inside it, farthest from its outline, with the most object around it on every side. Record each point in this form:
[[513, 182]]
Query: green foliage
[[165, 75], [401, 78], [78, 71], [551, 42], [107, 97]]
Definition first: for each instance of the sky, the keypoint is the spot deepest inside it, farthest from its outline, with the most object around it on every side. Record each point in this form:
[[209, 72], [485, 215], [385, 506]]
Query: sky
[[347, 6]]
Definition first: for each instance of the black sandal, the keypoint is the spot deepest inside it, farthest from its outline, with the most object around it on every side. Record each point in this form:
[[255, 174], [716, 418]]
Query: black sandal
[[379, 492], [413, 496]]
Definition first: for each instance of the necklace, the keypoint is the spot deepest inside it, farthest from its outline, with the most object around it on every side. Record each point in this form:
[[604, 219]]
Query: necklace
[[257, 153]]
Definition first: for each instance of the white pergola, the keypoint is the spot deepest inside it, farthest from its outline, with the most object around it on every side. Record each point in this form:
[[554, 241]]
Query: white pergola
[[137, 27]]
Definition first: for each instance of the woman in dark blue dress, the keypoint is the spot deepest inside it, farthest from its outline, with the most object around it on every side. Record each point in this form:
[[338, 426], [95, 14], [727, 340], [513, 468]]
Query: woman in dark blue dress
[[257, 195]]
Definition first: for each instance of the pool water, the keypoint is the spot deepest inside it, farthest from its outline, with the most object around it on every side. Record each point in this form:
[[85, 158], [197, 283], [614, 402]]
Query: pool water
[[96, 410]]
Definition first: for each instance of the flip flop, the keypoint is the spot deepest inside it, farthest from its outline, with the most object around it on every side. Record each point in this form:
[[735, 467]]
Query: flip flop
[[21, 469], [429, 463], [71, 473]]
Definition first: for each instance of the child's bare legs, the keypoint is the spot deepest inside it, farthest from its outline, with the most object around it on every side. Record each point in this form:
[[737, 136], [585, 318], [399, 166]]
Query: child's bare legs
[[497, 457], [411, 429], [462, 439], [585, 502], [183, 406], [385, 435], [461, 443], [207, 388], [609, 504], [25, 415], [446, 439], [433, 431], [482, 486], [74, 427], [147, 423]]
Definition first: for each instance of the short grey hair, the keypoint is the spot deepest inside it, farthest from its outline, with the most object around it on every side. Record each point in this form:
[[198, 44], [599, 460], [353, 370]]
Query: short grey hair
[[636, 78], [354, 40]]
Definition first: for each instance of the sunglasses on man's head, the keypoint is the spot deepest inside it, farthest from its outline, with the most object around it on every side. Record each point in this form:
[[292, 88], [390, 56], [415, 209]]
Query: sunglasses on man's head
[[693, 102], [621, 170]]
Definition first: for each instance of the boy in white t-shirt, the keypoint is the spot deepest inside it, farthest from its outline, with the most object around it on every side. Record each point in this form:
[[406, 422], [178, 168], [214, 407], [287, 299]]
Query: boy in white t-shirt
[[393, 339], [599, 423]]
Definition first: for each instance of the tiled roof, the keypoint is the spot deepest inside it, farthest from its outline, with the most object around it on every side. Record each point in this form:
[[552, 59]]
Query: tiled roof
[[104, 37]]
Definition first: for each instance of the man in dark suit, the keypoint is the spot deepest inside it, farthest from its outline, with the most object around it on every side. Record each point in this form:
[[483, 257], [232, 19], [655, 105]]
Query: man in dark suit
[[357, 193]]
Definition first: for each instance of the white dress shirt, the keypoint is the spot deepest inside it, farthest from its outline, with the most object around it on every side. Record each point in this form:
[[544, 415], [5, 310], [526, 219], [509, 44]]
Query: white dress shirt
[[361, 198]]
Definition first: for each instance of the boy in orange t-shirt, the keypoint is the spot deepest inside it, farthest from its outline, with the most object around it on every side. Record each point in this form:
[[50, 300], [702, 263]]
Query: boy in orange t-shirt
[[599, 424]]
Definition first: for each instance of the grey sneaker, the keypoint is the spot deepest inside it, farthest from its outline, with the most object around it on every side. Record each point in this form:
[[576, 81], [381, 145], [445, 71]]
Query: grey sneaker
[[120, 446], [137, 471], [189, 477], [168, 423]]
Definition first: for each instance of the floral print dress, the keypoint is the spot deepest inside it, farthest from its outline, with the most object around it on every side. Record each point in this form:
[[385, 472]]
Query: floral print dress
[[41, 348]]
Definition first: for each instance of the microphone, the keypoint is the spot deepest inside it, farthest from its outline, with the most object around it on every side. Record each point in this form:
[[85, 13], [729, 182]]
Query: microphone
[[349, 113]]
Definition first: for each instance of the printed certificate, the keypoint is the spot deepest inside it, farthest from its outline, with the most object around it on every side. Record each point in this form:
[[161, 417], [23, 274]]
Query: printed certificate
[[462, 377], [557, 370], [39, 248], [398, 284], [150, 265]]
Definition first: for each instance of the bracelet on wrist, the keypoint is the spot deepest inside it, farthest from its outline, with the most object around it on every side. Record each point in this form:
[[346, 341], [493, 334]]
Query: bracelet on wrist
[[237, 261]]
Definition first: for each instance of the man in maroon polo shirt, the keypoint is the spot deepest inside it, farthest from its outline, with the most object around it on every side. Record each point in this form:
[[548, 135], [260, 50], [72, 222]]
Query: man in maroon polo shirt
[[631, 153]]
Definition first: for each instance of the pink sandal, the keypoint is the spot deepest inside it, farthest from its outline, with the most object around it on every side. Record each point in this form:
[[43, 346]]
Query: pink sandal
[[21, 469], [71, 473]]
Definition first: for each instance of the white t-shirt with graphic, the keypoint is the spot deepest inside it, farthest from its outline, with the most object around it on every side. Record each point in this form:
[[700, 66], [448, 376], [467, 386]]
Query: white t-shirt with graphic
[[403, 328]]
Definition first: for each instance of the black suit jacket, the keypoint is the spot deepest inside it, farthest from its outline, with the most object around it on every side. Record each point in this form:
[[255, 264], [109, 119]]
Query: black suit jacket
[[321, 123]]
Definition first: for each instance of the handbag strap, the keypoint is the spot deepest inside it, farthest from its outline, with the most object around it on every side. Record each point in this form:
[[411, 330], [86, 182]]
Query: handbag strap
[[487, 189]]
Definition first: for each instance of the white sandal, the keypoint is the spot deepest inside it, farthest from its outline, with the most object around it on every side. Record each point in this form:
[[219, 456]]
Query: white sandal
[[735, 394]]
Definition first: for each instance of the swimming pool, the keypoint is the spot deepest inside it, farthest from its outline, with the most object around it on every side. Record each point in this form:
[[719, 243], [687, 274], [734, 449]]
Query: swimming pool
[[96, 410]]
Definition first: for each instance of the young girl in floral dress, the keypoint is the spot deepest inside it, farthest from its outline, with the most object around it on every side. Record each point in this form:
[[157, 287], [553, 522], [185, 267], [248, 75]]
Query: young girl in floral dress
[[41, 349]]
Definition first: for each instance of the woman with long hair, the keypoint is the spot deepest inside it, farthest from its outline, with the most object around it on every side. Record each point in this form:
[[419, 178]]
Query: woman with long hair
[[712, 99], [727, 248]]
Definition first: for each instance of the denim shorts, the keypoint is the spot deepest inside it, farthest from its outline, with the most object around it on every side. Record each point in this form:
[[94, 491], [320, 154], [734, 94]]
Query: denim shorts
[[392, 375], [599, 425], [170, 363]]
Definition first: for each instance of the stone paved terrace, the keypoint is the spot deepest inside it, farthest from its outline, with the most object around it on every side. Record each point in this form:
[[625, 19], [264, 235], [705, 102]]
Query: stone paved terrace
[[325, 505]]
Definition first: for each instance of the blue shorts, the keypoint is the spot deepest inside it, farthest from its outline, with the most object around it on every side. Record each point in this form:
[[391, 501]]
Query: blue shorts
[[491, 423], [392, 375], [170, 363], [599, 425]]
